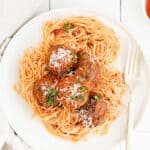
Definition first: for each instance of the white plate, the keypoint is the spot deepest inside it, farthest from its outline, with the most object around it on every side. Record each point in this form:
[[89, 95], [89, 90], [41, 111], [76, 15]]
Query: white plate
[[31, 130], [4, 129]]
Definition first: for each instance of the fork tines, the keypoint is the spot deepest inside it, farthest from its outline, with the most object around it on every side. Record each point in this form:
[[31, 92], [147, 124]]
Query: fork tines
[[133, 65]]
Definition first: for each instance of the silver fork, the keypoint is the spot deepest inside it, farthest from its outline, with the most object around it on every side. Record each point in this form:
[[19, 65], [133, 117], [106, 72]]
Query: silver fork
[[132, 74]]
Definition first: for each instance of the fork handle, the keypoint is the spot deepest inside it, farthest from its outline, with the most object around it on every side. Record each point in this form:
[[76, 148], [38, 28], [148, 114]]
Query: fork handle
[[130, 124]]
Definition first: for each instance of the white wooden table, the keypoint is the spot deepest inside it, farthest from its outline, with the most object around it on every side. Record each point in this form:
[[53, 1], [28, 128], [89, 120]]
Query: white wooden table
[[129, 12]]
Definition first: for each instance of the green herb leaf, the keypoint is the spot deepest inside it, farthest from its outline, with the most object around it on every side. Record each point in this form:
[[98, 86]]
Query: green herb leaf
[[81, 79], [96, 97], [83, 89], [67, 26], [52, 93], [49, 101], [74, 57], [73, 97], [75, 61], [69, 69], [55, 103], [80, 97]]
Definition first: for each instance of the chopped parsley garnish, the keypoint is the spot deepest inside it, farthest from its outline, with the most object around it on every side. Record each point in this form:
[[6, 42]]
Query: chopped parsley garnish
[[52, 93], [96, 97], [81, 79], [48, 101], [80, 97], [67, 26], [73, 97], [74, 57], [70, 69], [83, 89]]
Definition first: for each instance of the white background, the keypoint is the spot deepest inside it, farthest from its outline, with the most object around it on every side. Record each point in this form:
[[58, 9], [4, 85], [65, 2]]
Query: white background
[[130, 14]]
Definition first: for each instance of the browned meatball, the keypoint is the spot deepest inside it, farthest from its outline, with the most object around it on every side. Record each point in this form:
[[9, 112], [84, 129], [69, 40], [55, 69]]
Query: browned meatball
[[87, 67], [44, 90], [72, 92], [93, 111], [61, 58], [99, 112]]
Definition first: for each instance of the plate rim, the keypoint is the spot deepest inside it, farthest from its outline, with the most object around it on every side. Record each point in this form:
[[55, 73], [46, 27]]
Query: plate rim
[[83, 10]]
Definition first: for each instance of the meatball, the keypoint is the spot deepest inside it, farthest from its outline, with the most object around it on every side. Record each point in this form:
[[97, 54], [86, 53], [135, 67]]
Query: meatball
[[61, 58], [87, 67], [73, 93], [44, 90], [93, 111]]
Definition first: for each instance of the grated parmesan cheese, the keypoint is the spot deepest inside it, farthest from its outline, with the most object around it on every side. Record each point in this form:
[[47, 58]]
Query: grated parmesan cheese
[[74, 89], [87, 121], [59, 57], [45, 87]]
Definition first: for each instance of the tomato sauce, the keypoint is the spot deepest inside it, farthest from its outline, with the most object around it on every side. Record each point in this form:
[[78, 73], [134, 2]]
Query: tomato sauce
[[147, 7]]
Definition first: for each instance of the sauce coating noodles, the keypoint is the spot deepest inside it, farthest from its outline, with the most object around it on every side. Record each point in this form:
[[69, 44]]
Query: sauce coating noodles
[[101, 43]]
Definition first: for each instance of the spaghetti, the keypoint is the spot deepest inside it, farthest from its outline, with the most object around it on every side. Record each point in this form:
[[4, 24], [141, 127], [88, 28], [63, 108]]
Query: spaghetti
[[79, 34]]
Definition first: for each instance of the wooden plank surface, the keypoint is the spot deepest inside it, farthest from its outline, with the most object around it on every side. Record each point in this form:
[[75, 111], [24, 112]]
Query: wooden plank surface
[[140, 141], [109, 7], [45, 6], [133, 19], [132, 16]]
